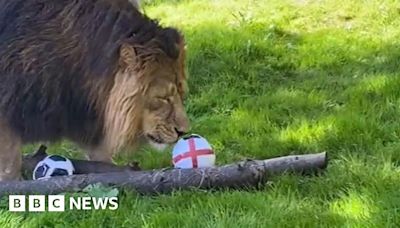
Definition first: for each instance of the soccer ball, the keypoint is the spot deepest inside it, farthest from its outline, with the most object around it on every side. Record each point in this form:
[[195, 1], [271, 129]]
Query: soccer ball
[[193, 152], [53, 165]]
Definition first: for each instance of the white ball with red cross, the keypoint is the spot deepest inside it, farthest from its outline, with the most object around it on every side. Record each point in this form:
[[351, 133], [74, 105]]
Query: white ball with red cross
[[193, 152]]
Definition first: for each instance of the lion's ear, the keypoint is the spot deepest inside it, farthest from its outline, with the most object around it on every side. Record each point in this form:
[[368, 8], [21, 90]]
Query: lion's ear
[[171, 43], [127, 54]]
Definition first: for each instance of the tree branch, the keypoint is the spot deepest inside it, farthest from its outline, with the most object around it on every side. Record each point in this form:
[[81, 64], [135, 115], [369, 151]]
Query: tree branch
[[243, 174]]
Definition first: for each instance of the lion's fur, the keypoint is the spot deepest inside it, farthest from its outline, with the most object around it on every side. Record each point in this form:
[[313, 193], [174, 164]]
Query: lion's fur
[[64, 71]]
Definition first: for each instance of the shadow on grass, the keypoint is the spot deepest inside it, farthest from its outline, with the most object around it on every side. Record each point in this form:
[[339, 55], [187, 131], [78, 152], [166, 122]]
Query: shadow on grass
[[257, 91], [253, 86]]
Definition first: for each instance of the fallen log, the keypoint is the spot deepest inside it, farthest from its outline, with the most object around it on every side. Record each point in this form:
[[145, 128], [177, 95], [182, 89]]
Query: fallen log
[[243, 174]]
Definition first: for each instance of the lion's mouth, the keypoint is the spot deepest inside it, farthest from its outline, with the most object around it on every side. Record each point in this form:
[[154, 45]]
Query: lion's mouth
[[155, 139]]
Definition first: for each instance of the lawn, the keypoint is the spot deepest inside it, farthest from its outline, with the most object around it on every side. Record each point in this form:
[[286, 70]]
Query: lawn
[[272, 78]]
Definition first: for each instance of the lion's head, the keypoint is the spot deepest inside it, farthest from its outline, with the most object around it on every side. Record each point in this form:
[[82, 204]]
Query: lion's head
[[146, 101]]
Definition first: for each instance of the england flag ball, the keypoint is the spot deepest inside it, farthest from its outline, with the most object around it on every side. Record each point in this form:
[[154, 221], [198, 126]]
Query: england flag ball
[[193, 152], [53, 165]]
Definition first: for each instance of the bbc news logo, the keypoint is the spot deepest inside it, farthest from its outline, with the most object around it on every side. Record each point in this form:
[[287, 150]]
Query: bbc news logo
[[59, 203]]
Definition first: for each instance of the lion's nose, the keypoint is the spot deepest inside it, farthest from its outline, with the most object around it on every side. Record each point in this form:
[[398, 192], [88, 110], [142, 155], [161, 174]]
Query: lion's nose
[[180, 132], [182, 126]]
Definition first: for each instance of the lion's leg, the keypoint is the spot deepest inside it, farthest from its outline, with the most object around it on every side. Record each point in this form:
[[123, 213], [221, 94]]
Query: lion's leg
[[10, 153], [99, 153], [105, 154]]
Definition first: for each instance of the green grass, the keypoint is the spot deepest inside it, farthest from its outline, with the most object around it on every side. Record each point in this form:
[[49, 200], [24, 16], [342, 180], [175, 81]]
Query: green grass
[[271, 78]]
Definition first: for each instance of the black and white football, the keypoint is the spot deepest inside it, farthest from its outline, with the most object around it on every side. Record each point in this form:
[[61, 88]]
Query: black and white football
[[53, 165]]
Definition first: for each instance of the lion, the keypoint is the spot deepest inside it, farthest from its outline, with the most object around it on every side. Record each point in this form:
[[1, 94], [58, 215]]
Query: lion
[[98, 73]]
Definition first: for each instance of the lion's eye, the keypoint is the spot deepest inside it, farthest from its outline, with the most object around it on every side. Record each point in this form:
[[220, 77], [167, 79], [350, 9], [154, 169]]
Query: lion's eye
[[163, 99]]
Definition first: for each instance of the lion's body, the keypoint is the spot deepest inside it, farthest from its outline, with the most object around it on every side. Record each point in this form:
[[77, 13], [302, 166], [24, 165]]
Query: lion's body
[[59, 64], [46, 64]]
